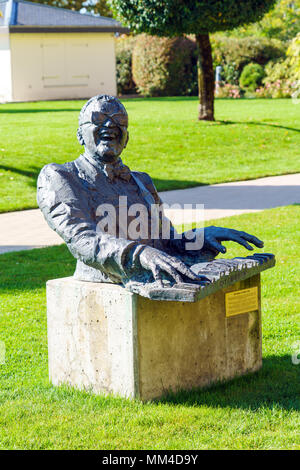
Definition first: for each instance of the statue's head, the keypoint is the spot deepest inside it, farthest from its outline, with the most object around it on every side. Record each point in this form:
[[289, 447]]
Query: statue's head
[[103, 123]]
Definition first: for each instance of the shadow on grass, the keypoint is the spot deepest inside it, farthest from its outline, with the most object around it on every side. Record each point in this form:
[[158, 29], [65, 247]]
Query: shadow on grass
[[257, 123], [39, 110], [22, 271], [32, 173], [277, 384]]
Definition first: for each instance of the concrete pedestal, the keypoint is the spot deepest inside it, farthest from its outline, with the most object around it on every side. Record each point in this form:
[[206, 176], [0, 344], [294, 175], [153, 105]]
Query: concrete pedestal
[[103, 338]]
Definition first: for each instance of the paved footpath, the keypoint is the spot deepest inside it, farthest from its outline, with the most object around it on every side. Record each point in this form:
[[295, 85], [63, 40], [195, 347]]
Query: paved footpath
[[24, 230]]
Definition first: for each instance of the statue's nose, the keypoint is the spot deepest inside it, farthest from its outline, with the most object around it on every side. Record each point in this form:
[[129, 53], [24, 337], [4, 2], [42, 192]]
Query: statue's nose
[[109, 123]]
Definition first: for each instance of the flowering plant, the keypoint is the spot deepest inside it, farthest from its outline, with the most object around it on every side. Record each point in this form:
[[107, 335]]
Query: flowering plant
[[279, 89], [228, 91]]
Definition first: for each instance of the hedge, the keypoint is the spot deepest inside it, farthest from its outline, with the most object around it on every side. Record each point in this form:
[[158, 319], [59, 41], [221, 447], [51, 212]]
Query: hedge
[[164, 66]]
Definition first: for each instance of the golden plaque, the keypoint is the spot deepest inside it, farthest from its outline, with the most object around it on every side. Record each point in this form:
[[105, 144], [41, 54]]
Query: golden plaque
[[241, 301]]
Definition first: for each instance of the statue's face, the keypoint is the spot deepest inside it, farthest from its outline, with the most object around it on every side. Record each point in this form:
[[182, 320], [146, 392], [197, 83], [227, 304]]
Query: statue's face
[[104, 131]]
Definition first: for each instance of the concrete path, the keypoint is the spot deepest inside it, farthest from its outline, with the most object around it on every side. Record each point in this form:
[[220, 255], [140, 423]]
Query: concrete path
[[24, 230], [227, 199]]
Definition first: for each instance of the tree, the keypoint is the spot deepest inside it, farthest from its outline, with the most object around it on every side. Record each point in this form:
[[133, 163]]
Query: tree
[[199, 17], [281, 22], [99, 7], [74, 5]]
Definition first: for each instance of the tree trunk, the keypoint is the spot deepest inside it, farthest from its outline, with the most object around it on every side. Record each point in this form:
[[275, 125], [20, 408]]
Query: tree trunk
[[206, 79]]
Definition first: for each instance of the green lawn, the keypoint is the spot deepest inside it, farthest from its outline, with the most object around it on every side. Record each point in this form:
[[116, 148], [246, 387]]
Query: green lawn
[[260, 411], [251, 139]]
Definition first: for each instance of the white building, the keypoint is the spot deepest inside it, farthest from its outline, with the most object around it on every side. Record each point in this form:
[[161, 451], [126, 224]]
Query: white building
[[54, 53]]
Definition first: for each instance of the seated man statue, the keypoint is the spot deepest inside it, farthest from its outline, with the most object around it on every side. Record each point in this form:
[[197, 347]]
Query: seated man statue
[[76, 199]]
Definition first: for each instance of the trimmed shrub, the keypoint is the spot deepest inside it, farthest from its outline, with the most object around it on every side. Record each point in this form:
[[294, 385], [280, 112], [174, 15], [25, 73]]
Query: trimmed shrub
[[124, 48], [164, 66], [251, 77]]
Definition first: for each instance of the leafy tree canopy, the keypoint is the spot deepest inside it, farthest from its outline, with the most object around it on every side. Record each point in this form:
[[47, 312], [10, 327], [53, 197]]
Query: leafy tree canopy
[[74, 5], [282, 22], [99, 7], [173, 17]]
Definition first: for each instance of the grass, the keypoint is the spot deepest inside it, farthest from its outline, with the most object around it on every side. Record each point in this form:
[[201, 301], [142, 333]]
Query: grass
[[251, 139], [260, 411]]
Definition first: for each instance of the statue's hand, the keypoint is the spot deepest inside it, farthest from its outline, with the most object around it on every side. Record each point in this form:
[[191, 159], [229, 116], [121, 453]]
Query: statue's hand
[[157, 262], [214, 235]]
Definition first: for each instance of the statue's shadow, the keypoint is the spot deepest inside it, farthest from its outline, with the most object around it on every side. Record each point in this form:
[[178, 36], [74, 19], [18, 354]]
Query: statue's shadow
[[277, 384]]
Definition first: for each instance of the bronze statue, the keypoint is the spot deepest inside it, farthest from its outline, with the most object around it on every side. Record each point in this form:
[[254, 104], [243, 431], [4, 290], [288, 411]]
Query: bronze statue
[[75, 198]]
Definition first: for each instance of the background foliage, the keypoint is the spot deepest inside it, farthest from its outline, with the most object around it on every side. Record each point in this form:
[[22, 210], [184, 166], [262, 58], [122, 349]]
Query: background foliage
[[283, 77], [242, 51], [99, 7], [293, 57], [282, 22], [155, 77]]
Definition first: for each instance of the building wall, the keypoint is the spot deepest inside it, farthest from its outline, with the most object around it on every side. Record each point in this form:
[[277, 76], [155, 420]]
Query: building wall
[[62, 65], [5, 62]]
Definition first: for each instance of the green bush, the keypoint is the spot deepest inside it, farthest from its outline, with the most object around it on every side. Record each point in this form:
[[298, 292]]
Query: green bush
[[279, 89], [230, 73], [239, 52], [124, 48], [293, 56], [251, 77], [164, 66], [277, 71], [283, 77], [287, 69]]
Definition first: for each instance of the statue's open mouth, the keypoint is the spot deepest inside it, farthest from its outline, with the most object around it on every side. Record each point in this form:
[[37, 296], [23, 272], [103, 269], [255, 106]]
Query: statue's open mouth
[[106, 137]]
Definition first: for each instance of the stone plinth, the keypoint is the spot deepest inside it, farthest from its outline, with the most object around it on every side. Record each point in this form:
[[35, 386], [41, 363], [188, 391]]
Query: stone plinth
[[108, 340]]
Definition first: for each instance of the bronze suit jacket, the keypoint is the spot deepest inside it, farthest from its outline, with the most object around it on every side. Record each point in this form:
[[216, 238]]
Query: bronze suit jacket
[[69, 195]]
